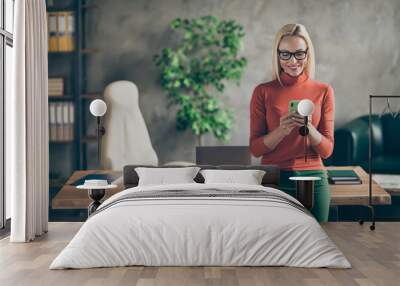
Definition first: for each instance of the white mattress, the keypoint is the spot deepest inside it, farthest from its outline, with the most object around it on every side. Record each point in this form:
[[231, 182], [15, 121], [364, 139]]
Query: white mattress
[[192, 231]]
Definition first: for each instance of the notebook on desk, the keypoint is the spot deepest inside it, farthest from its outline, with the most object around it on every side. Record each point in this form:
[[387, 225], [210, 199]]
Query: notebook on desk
[[110, 178], [343, 177]]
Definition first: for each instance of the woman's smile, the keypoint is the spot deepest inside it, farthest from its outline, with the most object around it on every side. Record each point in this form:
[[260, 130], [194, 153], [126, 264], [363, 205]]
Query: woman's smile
[[293, 70], [294, 67]]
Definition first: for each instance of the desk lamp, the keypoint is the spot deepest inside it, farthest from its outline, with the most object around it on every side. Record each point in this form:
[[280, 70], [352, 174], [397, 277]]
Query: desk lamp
[[305, 108]]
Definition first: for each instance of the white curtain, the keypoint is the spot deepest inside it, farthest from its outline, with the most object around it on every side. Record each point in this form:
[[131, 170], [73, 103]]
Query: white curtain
[[27, 124]]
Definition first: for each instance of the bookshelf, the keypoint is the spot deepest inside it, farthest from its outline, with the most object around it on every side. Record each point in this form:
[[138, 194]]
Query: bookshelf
[[69, 63]]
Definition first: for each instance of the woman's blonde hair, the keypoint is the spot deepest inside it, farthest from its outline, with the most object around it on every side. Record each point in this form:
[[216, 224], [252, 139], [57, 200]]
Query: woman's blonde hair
[[293, 30]]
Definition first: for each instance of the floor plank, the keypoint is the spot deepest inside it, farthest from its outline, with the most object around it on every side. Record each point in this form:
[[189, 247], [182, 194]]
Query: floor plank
[[375, 257]]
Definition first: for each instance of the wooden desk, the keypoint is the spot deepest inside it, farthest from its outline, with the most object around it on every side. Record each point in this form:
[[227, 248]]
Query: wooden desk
[[357, 194], [71, 198]]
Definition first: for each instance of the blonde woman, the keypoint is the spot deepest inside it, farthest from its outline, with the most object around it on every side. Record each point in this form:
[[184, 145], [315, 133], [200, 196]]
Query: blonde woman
[[274, 127]]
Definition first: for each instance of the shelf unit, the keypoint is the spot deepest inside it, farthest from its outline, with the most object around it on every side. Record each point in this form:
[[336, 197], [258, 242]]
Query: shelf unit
[[84, 96], [65, 157]]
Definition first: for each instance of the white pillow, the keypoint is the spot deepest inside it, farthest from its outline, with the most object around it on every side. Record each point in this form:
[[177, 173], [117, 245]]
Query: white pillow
[[162, 176], [249, 177]]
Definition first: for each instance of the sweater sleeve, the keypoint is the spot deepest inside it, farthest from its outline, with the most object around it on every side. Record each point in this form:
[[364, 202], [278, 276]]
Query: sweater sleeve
[[326, 125], [258, 123]]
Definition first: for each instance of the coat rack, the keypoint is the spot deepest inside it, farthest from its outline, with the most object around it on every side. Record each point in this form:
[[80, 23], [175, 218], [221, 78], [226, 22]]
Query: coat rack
[[370, 146]]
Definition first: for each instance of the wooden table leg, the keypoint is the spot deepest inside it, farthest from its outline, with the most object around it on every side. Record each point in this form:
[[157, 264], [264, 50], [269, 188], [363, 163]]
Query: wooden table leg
[[305, 193]]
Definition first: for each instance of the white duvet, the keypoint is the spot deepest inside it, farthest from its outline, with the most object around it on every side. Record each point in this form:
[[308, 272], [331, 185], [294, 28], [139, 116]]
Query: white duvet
[[200, 231]]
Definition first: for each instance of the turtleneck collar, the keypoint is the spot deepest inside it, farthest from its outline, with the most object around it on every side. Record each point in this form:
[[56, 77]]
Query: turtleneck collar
[[288, 80]]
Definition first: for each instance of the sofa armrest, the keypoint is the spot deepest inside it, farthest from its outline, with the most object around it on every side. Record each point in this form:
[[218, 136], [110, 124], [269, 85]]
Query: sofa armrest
[[351, 143]]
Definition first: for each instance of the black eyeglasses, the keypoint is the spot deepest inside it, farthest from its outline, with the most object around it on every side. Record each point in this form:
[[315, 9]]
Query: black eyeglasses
[[298, 55]]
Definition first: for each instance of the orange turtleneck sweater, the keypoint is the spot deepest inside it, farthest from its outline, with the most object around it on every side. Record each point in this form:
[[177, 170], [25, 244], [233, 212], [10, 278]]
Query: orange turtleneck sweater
[[270, 101]]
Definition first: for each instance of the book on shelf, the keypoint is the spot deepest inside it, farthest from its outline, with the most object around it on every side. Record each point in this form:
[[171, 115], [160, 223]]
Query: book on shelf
[[61, 32], [61, 29], [56, 86], [52, 31], [70, 31], [343, 177], [71, 121], [61, 120], [52, 120]]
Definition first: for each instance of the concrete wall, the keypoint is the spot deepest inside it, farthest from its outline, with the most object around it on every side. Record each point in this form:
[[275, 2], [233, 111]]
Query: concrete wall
[[357, 51]]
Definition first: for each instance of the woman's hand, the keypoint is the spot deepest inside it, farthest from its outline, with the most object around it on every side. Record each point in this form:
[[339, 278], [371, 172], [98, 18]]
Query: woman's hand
[[300, 119], [314, 135], [290, 121], [286, 125]]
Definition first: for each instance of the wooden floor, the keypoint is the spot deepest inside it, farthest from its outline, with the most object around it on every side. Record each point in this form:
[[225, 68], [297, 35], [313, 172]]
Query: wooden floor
[[375, 257]]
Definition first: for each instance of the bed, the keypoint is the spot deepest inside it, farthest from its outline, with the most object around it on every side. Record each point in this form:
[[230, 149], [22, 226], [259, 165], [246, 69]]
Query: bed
[[201, 224]]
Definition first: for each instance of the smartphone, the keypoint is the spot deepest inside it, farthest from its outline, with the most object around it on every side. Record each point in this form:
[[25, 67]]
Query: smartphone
[[293, 106]]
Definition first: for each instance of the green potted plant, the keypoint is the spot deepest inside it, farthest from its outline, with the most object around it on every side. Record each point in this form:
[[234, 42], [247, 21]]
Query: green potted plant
[[196, 70]]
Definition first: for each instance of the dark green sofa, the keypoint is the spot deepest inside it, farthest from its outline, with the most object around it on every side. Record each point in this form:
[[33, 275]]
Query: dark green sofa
[[351, 144]]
